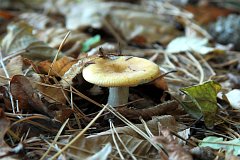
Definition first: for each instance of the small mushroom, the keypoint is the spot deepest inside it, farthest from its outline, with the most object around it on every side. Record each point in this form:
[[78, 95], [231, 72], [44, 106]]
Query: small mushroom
[[119, 73]]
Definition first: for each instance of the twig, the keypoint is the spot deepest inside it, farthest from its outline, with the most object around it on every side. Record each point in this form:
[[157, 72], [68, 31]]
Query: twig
[[148, 112]]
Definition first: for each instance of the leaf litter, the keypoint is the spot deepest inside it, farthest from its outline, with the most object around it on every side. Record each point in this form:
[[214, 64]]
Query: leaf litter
[[48, 110]]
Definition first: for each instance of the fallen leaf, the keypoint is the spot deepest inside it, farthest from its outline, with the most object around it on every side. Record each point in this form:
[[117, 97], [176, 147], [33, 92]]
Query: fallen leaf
[[165, 120], [219, 143], [58, 68], [63, 114], [138, 147], [175, 151], [20, 39], [203, 101], [23, 91], [52, 94], [139, 24], [54, 36], [233, 98], [35, 126], [4, 92], [74, 70], [14, 67], [203, 153], [37, 20], [131, 24], [87, 14], [184, 44], [5, 124]]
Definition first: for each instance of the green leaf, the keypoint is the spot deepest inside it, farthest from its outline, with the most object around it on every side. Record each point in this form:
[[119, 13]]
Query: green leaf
[[203, 101], [91, 41], [218, 143]]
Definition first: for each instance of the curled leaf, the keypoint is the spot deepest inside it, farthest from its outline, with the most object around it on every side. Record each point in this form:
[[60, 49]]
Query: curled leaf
[[58, 68]]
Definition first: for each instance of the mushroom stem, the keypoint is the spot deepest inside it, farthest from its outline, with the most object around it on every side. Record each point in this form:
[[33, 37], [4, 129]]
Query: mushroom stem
[[118, 96]]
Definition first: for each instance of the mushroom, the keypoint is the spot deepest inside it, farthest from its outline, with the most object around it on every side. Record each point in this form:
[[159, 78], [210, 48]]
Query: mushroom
[[119, 73]]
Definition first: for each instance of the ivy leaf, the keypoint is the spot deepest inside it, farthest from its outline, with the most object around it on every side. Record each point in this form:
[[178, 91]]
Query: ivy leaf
[[203, 101], [218, 143]]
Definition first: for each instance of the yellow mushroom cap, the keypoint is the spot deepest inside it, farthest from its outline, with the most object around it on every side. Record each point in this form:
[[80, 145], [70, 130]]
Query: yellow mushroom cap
[[121, 71]]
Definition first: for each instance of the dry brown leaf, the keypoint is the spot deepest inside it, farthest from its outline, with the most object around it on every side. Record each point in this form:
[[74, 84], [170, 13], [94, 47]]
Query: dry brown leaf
[[54, 37], [174, 150], [58, 68], [35, 125], [131, 22], [203, 153], [165, 120], [5, 98], [20, 39], [140, 148], [5, 124], [63, 114], [33, 65], [23, 91], [14, 67], [74, 70], [37, 20], [52, 94], [142, 27]]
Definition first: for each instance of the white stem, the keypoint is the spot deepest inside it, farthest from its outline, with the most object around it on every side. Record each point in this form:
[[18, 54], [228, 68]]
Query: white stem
[[118, 96]]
